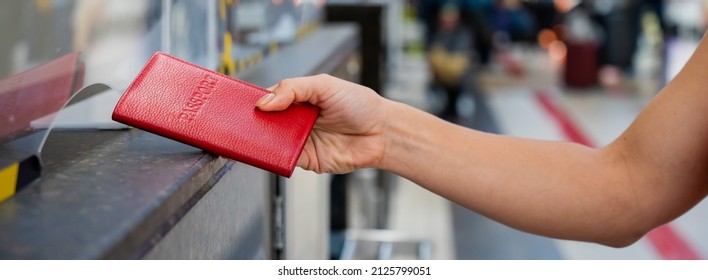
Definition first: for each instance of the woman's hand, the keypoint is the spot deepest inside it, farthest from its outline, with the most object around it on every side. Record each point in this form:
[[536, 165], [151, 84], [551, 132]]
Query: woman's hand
[[348, 134]]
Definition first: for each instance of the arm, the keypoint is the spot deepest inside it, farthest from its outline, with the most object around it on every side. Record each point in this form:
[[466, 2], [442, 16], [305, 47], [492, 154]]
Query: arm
[[654, 172]]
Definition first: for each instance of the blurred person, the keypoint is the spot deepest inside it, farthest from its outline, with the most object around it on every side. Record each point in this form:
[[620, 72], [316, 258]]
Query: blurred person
[[515, 21], [449, 56], [485, 21], [496, 25], [652, 173], [428, 11], [476, 16], [620, 22]]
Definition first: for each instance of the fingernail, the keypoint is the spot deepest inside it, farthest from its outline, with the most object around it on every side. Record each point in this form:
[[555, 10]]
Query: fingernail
[[265, 99]]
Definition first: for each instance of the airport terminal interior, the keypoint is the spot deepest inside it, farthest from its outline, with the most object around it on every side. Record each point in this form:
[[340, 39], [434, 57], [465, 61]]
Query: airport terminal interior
[[74, 184]]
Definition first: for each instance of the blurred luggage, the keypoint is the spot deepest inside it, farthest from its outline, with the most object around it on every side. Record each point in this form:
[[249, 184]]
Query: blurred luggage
[[581, 68]]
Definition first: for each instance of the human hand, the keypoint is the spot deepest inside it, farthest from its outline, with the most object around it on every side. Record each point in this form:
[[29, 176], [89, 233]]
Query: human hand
[[348, 134]]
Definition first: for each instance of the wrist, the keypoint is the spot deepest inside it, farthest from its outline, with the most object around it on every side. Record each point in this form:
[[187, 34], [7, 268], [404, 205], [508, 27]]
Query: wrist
[[401, 137], [387, 132]]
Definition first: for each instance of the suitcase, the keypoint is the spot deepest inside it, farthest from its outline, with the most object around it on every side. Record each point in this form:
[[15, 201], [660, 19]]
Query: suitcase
[[582, 64]]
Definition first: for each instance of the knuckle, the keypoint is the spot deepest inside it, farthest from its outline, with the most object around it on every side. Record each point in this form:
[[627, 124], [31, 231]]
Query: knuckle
[[323, 76], [285, 83]]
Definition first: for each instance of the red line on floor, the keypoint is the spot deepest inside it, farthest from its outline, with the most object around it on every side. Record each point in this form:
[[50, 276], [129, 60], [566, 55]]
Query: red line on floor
[[666, 241], [564, 122], [670, 244]]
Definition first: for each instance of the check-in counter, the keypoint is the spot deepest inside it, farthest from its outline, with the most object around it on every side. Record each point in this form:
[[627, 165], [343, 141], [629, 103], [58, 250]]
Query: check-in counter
[[129, 194]]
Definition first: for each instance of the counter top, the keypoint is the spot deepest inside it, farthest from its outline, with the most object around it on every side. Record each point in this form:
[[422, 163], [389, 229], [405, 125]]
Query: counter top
[[114, 194]]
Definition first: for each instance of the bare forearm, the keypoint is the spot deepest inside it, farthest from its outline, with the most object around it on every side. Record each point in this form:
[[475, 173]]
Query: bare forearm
[[556, 189], [652, 173]]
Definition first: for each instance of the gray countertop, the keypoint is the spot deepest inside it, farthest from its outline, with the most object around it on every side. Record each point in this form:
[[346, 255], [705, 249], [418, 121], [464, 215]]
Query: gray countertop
[[113, 194]]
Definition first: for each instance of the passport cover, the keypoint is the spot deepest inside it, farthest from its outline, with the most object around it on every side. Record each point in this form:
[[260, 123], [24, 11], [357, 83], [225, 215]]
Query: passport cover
[[216, 113]]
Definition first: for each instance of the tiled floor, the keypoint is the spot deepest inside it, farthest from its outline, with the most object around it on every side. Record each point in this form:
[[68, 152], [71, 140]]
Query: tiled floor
[[600, 114]]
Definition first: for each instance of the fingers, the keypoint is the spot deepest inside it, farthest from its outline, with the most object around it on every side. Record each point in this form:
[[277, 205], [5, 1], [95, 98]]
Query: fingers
[[305, 89]]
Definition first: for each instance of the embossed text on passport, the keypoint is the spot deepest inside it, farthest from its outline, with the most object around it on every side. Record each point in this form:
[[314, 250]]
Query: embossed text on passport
[[198, 98]]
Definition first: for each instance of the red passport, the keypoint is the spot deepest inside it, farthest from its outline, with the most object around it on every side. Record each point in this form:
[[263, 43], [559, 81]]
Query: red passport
[[216, 113]]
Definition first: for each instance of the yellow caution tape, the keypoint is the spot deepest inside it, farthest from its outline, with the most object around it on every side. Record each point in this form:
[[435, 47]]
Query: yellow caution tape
[[273, 48], [227, 63], [8, 181]]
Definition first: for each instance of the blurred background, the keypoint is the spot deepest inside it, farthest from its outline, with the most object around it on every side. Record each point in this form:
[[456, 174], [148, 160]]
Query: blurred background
[[569, 70]]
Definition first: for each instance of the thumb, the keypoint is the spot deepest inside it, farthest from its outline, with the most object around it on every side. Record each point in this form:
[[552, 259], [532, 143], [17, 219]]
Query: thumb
[[304, 89]]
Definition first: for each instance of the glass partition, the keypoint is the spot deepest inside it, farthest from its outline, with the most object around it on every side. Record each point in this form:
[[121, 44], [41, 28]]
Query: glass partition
[[51, 49]]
